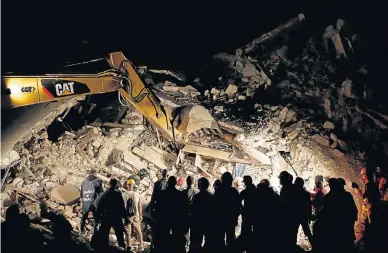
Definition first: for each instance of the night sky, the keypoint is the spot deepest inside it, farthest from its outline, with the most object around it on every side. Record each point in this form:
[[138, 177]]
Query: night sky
[[40, 36]]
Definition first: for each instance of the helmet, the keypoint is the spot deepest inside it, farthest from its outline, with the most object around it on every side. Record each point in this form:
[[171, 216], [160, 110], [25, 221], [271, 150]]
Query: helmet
[[143, 173], [363, 171], [131, 181]]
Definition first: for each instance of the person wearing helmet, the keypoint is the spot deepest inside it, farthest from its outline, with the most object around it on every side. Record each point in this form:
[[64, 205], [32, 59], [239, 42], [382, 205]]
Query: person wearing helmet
[[134, 212]]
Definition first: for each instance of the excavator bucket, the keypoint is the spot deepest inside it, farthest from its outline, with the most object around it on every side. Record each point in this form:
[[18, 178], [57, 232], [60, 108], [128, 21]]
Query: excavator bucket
[[189, 119]]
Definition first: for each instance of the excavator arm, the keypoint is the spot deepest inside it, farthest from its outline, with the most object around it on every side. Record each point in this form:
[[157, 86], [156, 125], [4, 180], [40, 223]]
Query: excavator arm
[[175, 124]]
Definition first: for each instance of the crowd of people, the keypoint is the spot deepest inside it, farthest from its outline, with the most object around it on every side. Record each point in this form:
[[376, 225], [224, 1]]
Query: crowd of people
[[197, 219]]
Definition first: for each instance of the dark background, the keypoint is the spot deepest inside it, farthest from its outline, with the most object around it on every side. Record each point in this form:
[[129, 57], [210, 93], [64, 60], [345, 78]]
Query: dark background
[[37, 36]]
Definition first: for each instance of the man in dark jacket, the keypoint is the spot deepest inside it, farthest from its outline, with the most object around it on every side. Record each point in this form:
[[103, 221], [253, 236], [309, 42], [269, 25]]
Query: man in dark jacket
[[172, 213], [229, 206], [111, 212], [91, 187], [202, 218], [189, 193], [159, 187], [248, 196]]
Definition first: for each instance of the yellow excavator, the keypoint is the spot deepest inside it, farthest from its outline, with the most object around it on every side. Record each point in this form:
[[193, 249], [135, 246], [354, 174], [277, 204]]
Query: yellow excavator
[[174, 123]]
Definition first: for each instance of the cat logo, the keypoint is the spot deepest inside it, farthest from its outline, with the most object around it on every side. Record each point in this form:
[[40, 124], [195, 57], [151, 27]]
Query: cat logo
[[63, 89]]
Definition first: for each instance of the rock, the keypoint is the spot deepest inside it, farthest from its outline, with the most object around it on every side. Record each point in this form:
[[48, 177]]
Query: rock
[[231, 100], [283, 114], [333, 137], [51, 185], [69, 212], [334, 145], [65, 194], [189, 91], [293, 134], [328, 125], [321, 140], [231, 90], [258, 107], [71, 135], [241, 97], [170, 87], [18, 182], [347, 89], [290, 116], [97, 142], [214, 91], [274, 108], [219, 108], [206, 93]]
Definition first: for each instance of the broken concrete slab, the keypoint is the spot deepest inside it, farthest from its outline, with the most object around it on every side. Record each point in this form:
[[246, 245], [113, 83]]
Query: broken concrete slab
[[170, 87], [65, 194], [133, 160], [229, 127], [189, 91], [218, 154], [321, 140], [155, 155], [292, 135], [283, 114]]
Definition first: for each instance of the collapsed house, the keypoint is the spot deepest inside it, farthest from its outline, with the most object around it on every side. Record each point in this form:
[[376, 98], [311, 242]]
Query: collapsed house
[[303, 130]]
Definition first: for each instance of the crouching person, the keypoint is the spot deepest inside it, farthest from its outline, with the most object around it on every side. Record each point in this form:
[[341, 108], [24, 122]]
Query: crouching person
[[134, 214]]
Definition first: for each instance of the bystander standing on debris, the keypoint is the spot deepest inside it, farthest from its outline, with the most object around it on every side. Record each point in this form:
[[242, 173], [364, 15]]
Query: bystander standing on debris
[[134, 213], [111, 212], [91, 187]]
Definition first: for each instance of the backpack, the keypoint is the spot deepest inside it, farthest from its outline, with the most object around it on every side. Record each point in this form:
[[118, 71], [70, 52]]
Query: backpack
[[131, 207]]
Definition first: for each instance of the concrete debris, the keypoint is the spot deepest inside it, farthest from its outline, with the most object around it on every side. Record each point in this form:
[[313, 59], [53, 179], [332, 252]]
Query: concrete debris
[[329, 125], [321, 140], [17, 182], [189, 91], [171, 87], [292, 135], [155, 155], [231, 90], [133, 160], [241, 97], [283, 114], [218, 154], [65, 194]]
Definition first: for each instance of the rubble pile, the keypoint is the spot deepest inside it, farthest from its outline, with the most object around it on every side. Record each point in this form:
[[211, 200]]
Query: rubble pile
[[307, 130]]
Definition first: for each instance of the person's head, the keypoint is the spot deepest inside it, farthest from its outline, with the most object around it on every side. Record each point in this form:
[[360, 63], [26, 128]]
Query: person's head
[[227, 179], [364, 175], [12, 213], [203, 184], [318, 185], [131, 184], [164, 173], [217, 184], [378, 170], [171, 182], [341, 182], [265, 182], [189, 181], [248, 181], [142, 173], [333, 184], [299, 182], [285, 178], [113, 183]]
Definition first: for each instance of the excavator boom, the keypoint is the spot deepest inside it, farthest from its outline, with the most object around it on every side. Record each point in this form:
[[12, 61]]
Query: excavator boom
[[175, 124]]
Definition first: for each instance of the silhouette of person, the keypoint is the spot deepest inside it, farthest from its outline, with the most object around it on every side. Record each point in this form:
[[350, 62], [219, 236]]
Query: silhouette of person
[[202, 217], [91, 187], [10, 229], [248, 196], [189, 193], [334, 229], [305, 207], [159, 187], [111, 212], [289, 207], [317, 197], [266, 225], [216, 184], [229, 205], [173, 209]]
